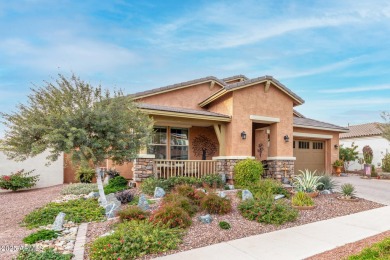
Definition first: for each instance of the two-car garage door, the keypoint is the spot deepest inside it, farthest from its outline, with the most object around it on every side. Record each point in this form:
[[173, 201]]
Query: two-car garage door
[[309, 155]]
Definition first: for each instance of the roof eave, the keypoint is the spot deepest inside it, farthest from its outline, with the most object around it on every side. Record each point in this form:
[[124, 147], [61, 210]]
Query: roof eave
[[186, 115], [340, 130]]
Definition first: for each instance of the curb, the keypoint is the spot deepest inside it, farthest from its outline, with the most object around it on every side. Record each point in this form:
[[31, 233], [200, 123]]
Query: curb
[[81, 239]]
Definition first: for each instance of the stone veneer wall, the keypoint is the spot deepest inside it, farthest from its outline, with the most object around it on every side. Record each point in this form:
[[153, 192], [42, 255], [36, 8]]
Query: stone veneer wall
[[276, 168], [143, 167]]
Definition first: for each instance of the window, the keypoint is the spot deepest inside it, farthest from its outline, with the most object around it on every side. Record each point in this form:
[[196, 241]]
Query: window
[[293, 144], [158, 146], [303, 145], [318, 145], [179, 143]]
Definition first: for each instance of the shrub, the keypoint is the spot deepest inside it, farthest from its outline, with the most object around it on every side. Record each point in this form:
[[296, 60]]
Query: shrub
[[374, 174], [380, 250], [149, 185], [214, 204], [133, 239], [132, 213], [267, 211], [112, 173], [213, 180], [85, 174], [224, 225], [386, 163], [348, 190], [198, 196], [172, 216], [181, 201], [247, 172], [81, 210], [43, 234], [307, 181], [338, 163], [302, 199], [18, 180], [79, 188], [48, 254], [116, 184], [327, 183], [125, 196], [185, 190], [266, 187]]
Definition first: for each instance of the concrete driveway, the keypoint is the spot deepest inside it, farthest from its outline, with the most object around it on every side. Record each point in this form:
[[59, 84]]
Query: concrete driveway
[[370, 189]]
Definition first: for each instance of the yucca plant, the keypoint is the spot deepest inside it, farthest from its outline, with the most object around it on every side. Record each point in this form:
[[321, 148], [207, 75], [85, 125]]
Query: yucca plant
[[307, 181], [348, 190]]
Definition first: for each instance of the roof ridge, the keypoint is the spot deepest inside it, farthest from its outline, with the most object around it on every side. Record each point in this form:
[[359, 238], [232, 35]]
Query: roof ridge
[[235, 76]]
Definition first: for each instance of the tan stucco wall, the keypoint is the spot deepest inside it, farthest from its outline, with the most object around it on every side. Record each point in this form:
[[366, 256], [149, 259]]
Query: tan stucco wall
[[331, 154], [261, 137], [188, 97], [125, 170], [206, 131]]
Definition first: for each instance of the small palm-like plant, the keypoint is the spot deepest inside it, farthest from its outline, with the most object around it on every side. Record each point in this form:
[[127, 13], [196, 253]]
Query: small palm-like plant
[[307, 181], [348, 190]]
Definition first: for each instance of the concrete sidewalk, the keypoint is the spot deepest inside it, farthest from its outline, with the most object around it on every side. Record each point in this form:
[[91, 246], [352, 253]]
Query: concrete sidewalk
[[298, 242]]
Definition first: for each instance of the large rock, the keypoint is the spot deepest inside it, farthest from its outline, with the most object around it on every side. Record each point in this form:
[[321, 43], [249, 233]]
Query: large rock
[[222, 194], [231, 187], [206, 219], [59, 222], [159, 192], [326, 192], [278, 196], [93, 194], [143, 202], [247, 195], [285, 180], [112, 206]]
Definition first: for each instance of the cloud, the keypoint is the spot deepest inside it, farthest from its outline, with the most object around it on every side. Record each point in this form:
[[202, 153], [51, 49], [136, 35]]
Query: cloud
[[355, 89]]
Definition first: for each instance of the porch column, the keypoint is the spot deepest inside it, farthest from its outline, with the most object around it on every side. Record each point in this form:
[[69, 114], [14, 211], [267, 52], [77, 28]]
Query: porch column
[[143, 167], [220, 131]]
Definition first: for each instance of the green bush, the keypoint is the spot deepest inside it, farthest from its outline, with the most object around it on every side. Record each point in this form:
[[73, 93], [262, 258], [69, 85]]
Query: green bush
[[267, 211], [81, 210], [79, 188], [185, 190], [181, 201], [214, 204], [380, 250], [172, 216], [374, 174], [48, 254], [198, 196], [348, 190], [134, 239], [43, 234], [327, 183], [213, 180], [116, 184], [18, 180], [386, 163], [132, 213], [302, 199], [85, 174], [247, 172], [149, 185], [266, 187], [224, 225]]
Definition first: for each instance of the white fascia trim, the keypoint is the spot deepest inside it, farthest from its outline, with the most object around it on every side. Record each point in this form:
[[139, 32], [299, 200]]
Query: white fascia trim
[[264, 119], [297, 134], [146, 156], [232, 157], [282, 158], [322, 128]]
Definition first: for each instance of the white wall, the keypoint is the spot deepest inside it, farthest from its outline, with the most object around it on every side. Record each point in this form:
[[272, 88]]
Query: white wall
[[48, 175], [378, 145]]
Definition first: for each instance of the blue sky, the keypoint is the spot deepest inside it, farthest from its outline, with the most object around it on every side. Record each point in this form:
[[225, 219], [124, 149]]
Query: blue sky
[[334, 54]]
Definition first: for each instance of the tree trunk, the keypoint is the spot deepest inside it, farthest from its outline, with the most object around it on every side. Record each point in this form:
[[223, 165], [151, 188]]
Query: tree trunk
[[100, 187]]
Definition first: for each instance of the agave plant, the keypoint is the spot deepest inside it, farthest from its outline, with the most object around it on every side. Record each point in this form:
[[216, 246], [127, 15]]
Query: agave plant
[[348, 190], [307, 181], [327, 183]]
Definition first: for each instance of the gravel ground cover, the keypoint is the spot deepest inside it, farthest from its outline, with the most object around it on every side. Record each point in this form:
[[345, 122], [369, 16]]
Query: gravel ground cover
[[14, 206], [350, 249], [199, 235]]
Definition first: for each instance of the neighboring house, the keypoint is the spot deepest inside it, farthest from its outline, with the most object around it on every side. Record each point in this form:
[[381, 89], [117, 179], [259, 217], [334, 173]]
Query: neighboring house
[[236, 116], [362, 135]]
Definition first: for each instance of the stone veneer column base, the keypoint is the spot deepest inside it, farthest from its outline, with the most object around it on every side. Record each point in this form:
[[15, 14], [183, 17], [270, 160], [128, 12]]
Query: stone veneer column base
[[143, 167], [225, 165], [279, 167]]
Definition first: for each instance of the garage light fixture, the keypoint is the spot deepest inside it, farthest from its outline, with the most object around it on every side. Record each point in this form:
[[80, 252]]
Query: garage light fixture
[[336, 146], [286, 138], [243, 135]]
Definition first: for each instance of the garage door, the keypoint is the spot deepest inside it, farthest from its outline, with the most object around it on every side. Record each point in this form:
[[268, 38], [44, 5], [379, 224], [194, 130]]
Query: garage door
[[309, 155]]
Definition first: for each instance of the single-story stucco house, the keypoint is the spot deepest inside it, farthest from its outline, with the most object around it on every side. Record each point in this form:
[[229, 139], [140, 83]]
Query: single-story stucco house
[[362, 135], [206, 125]]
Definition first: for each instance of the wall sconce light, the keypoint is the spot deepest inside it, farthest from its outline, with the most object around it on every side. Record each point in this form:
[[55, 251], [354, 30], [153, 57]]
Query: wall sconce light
[[286, 138], [336, 146], [243, 135]]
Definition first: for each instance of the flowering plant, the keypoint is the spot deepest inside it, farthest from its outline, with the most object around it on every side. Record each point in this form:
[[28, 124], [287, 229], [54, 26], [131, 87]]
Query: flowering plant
[[18, 180]]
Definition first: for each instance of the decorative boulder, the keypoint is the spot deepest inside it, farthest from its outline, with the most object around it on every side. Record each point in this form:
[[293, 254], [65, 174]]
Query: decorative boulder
[[326, 192], [112, 206], [93, 194], [285, 180], [231, 187], [222, 194], [143, 202], [159, 192], [223, 177], [206, 219], [278, 196], [59, 222], [247, 195]]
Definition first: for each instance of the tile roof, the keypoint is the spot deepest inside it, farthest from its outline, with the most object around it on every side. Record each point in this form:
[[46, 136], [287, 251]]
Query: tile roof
[[259, 79], [180, 110], [369, 129], [235, 77], [307, 122], [298, 114], [178, 85]]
